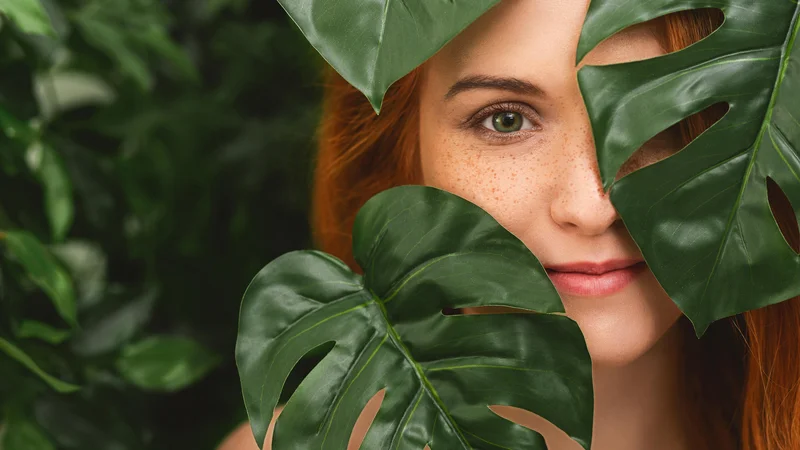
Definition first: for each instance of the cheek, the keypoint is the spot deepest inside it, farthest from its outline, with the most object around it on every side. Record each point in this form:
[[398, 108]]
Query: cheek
[[503, 182], [516, 186]]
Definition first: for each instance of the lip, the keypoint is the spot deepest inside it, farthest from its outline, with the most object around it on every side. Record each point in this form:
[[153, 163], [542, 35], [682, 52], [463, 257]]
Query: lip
[[589, 279]]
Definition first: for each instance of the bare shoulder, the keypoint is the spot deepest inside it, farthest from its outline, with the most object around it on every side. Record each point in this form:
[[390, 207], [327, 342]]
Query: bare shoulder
[[242, 437]]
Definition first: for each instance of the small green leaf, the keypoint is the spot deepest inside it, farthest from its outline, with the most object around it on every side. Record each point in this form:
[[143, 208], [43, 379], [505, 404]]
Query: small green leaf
[[113, 42], [374, 44], [43, 269], [16, 129], [158, 40], [21, 434], [37, 330], [49, 169], [108, 332], [17, 354], [165, 363], [64, 90], [29, 15], [87, 265]]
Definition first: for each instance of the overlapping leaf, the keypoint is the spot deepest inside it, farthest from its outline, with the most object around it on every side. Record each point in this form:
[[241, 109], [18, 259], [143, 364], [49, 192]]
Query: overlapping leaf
[[21, 357], [374, 43], [47, 165], [43, 270], [701, 217], [422, 250]]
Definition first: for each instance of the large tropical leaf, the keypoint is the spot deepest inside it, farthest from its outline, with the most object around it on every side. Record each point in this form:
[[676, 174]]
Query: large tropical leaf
[[422, 251], [374, 43], [701, 216]]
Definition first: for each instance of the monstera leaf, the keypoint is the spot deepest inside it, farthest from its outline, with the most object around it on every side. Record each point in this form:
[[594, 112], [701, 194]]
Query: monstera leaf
[[423, 251], [372, 44], [701, 216]]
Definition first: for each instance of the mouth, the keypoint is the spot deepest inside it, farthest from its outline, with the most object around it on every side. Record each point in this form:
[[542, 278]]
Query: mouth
[[595, 280]]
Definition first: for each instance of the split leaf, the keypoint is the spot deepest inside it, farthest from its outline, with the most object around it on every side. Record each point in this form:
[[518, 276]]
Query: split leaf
[[701, 216], [423, 251]]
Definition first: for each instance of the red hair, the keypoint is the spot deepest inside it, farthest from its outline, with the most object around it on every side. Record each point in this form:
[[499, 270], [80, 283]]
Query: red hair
[[745, 371]]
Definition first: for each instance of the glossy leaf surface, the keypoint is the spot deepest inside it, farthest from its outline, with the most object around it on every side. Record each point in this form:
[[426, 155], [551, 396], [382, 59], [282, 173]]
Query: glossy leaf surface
[[44, 270], [422, 251], [20, 356], [164, 363], [701, 216], [373, 43], [48, 167], [32, 329]]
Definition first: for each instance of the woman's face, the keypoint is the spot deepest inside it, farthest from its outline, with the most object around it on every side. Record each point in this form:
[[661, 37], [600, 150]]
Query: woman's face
[[503, 124]]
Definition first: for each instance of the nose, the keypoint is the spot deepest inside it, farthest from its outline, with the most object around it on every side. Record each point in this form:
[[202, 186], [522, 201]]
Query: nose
[[579, 204]]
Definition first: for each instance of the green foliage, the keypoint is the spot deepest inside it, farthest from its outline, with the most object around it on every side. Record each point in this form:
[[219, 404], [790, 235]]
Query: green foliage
[[20, 356], [165, 363], [146, 150], [423, 251], [29, 15], [374, 44], [702, 217], [21, 434], [38, 330], [43, 270]]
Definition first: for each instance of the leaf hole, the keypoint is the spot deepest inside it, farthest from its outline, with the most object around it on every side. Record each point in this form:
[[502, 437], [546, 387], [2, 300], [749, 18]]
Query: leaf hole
[[674, 139], [532, 421], [675, 32], [783, 213], [682, 29], [365, 420], [303, 368]]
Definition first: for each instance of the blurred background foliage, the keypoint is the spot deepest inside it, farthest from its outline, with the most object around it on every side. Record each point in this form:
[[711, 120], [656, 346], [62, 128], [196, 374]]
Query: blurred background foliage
[[154, 155]]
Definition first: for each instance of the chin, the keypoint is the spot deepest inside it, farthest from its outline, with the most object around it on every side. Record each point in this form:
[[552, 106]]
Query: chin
[[621, 328]]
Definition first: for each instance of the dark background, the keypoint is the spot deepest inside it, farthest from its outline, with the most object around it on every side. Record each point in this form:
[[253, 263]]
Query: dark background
[[182, 138]]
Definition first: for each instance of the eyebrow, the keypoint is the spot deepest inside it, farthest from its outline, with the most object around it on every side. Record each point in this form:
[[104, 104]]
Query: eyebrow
[[511, 84]]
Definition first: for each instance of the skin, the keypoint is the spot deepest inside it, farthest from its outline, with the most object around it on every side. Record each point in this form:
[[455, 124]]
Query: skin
[[542, 183]]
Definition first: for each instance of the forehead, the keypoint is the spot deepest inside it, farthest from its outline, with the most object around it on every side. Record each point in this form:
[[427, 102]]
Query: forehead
[[536, 38]]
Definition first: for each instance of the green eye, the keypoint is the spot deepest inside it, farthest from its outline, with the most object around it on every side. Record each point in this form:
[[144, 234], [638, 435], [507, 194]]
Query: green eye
[[507, 121]]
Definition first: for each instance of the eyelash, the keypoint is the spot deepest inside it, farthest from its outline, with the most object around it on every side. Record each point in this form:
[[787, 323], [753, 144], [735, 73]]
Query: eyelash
[[475, 122]]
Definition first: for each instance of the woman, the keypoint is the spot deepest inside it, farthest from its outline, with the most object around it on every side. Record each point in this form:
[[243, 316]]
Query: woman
[[496, 117]]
